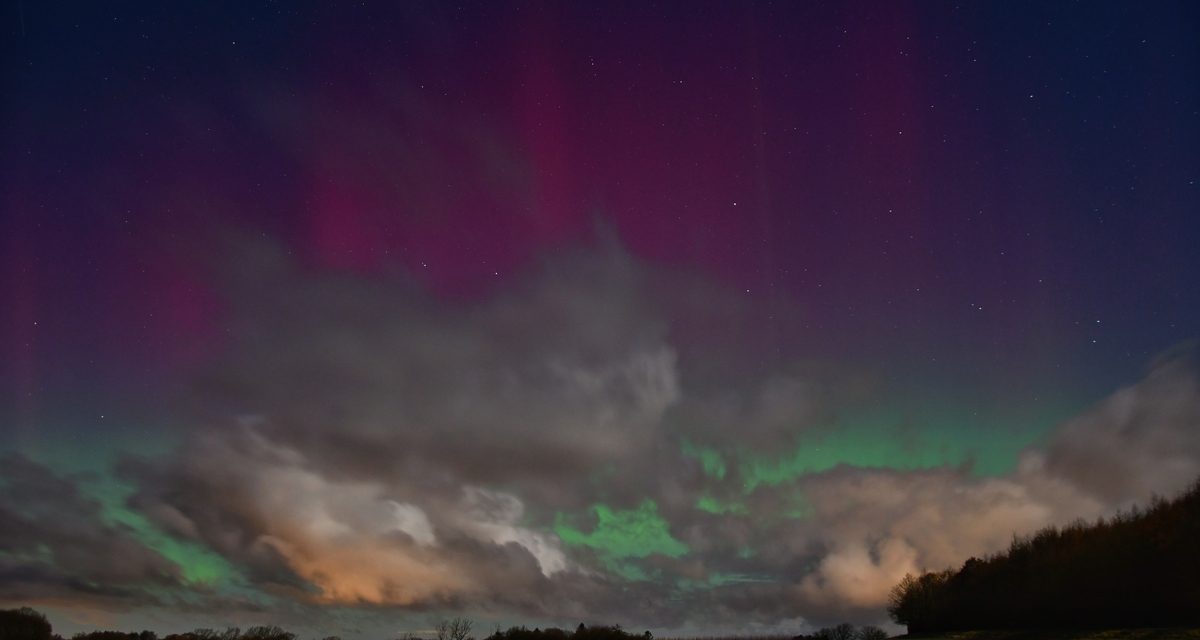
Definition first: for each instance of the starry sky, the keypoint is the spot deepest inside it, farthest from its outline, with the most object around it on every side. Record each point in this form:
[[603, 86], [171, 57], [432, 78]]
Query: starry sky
[[695, 317]]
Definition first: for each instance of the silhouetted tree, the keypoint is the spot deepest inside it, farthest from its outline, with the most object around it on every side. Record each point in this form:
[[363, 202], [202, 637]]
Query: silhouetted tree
[[843, 631], [266, 632], [582, 632], [871, 632], [24, 624], [454, 629], [112, 635]]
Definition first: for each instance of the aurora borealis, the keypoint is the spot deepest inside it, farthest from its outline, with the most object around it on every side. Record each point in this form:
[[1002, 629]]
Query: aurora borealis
[[691, 317]]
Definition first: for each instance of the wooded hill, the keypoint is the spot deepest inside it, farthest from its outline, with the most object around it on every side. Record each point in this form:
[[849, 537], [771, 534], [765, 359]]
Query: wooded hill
[[1138, 569]]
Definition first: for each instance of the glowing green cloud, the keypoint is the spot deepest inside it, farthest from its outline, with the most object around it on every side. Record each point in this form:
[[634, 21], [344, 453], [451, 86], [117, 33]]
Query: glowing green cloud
[[709, 504], [718, 579], [197, 564], [887, 442], [710, 459], [622, 535]]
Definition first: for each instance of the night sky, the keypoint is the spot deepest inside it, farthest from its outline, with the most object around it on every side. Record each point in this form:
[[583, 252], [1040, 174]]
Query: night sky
[[692, 317]]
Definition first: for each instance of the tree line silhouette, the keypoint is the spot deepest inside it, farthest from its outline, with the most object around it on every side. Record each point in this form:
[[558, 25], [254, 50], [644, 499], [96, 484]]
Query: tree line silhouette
[[29, 624], [845, 631], [1140, 568], [582, 632]]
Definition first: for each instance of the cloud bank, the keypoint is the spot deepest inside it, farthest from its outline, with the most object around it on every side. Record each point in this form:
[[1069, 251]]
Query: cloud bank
[[581, 445]]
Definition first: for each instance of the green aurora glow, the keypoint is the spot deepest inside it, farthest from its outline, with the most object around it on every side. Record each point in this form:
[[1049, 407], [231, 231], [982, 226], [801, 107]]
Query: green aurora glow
[[878, 440], [709, 504], [620, 538], [710, 459], [622, 535], [197, 564]]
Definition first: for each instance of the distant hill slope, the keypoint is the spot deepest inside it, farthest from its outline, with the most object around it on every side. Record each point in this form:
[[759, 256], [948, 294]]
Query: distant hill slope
[[1137, 569]]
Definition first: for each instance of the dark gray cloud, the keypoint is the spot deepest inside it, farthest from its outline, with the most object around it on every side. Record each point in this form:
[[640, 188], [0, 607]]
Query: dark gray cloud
[[362, 443], [55, 543], [377, 380]]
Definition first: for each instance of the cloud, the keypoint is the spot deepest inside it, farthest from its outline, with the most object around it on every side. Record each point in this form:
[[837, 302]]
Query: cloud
[[561, 449], [56, 544], [854, 575], [1142, 440], [367, 446], [878, 525], [494, 516], [375, 379]]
